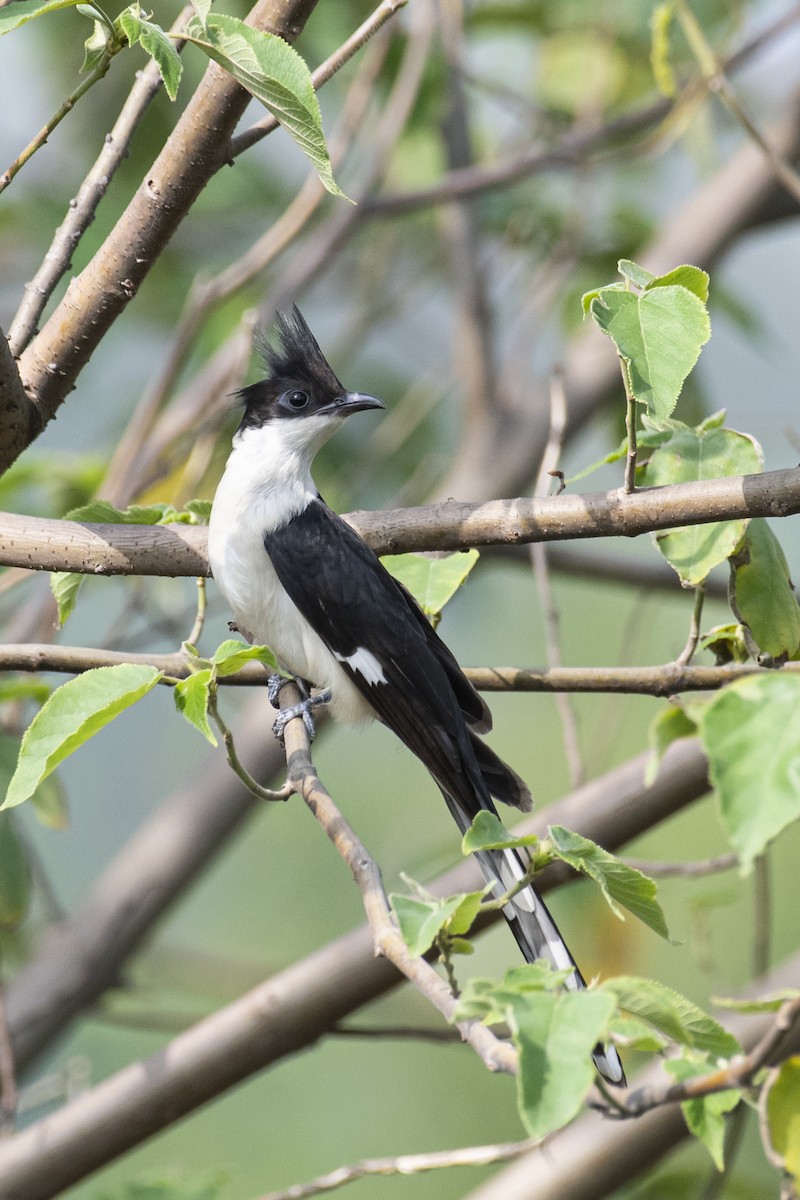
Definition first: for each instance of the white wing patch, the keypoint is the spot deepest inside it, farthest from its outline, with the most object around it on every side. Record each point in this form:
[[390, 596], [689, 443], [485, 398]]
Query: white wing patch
[[365, 662]]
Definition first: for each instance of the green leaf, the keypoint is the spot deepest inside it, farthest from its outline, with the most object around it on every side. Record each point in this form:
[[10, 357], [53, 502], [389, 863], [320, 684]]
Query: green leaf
[[588, 298], [783, 1115], [191, 700], [421, 921], [705, 1116], [631, 1034], [487, 832], [97, 45], [73, 714], [431, 581], [15, 876], [726, 643], [761, 1004], [200, 510], [65, 586], [555, 1034], [751, 735], [639, 276], [670, 724], [659, 334], [22, 11], [231, 656], [691, 455], [272, 71], [673, 1015], [620, 884], [762, 594], [691, 278], [154, 41], [782, 1109], [23, 687]]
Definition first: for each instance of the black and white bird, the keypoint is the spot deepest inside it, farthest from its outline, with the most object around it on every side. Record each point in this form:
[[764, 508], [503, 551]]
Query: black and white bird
[[301, 581]]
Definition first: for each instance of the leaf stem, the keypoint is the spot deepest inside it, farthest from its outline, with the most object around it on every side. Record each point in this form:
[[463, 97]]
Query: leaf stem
[[687, 653], [630, 428], [238, 769]]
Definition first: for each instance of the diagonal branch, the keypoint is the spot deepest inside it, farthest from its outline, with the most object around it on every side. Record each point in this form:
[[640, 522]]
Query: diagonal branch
[[497, 1055]]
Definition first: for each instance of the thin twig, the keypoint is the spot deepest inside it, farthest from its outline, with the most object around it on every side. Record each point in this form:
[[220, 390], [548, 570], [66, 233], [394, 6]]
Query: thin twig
[[762, 915], [686, 870], [496, 1055], [548, 465], [407, 1164], [94, 76], [200, 615], [687, 653], [252, 785]]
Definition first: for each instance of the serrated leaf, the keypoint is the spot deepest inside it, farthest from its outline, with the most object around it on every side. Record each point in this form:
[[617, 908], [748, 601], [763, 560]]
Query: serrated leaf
[[74, 713], [691, 455], [272, 71], [751, 735], [668, 726], [673, 1015], [659, 334], [705, 1116], [191, 700], [431, 581], [555, 1035], [15, 878], [22, 11], [589, 297], [231, 656], [782, 1106], [771, 1003], [620, 884], [487, 832], [762, 594], [487, 1000], [691, 278], [154, 41]]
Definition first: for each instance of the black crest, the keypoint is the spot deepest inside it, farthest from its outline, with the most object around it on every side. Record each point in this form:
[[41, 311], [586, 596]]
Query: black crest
[[294, 361]]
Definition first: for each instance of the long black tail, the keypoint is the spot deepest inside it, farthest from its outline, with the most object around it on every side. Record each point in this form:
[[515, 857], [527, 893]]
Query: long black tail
[[536, 932]]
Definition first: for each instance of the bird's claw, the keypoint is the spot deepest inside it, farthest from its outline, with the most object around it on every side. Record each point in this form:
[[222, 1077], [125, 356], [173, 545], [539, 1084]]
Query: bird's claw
[[304, 709], [274, 685]]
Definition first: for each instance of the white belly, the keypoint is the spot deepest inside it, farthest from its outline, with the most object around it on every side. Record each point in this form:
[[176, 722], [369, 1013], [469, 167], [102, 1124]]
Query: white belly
[[262, 610]]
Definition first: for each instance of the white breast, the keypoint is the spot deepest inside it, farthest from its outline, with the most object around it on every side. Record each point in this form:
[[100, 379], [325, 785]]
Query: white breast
[[267, 482]]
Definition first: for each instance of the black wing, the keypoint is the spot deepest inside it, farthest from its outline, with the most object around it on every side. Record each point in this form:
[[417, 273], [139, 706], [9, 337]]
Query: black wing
[[353, 603]]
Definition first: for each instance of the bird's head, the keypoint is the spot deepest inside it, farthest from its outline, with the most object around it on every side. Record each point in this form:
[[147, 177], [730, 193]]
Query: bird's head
[[301, 393]]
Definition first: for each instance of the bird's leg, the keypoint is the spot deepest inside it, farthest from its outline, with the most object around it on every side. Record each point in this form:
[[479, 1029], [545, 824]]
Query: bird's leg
[[304, 709]]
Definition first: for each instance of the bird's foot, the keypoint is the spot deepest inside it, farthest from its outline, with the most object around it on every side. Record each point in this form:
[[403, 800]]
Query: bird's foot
[[274, 685], [305, 710]]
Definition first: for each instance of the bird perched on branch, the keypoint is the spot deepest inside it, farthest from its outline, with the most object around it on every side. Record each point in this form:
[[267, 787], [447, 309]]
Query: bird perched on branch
[[301, 581]]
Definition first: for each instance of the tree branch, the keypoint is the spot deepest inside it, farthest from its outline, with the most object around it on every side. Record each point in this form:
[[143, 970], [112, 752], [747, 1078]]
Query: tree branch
[[194, 152], [275, 1020], [42, 544], [496, 1055]]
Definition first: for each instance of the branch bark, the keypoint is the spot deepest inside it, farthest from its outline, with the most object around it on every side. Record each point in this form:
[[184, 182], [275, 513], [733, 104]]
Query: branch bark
[[41, 544]]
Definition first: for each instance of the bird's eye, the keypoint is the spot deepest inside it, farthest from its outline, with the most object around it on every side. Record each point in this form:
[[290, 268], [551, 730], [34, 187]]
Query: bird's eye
[[296, 400]]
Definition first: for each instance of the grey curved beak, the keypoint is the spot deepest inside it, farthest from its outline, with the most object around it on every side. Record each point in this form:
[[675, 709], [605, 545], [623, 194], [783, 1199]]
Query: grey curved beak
[[353, 402]]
